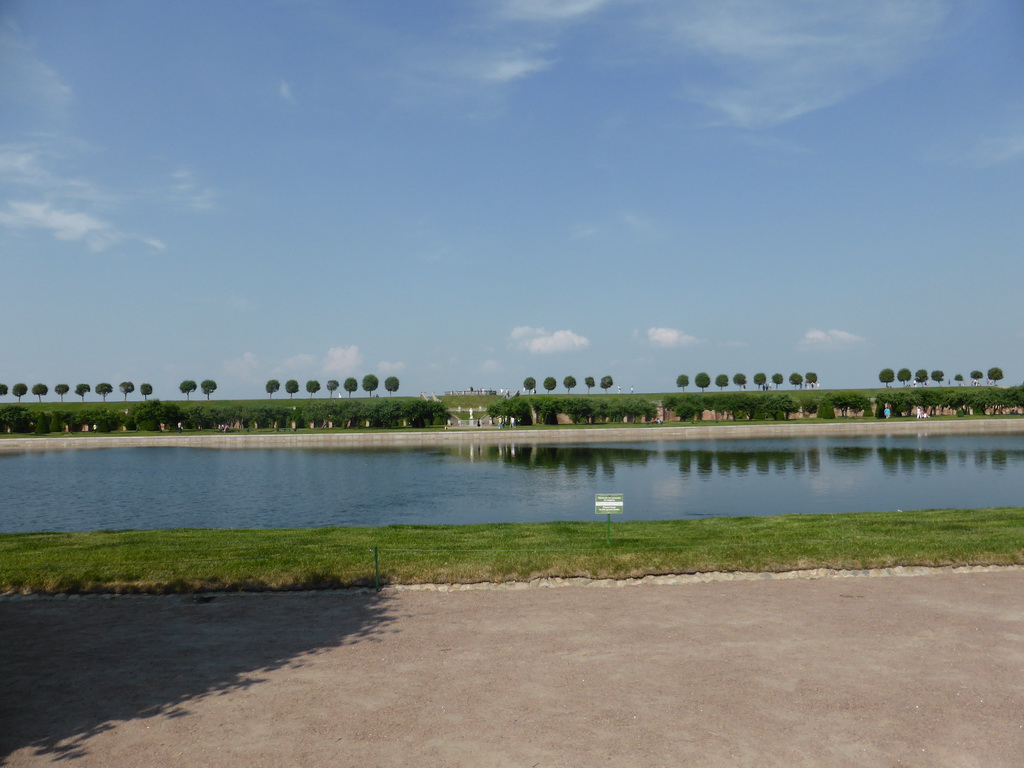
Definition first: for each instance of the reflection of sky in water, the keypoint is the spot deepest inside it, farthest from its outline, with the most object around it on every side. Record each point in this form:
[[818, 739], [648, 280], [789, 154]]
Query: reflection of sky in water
[[178, 487], [827, 484]]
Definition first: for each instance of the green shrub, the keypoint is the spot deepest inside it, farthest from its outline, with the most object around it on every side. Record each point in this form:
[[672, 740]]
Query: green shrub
[[825, 409]]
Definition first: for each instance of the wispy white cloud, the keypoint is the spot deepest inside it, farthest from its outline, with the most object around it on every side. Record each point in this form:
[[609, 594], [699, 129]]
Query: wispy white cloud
[[754, 63], [244, 367], [300, 362], [188, 191], [514, 67], [996, 150], [343, 361], [549, 10], [389, 369], [21, 165], [502, 65], [670, 338], [638, 223], [815, 339], [240, 303], [97, 234], [284, 90], [776, 61], [625, 223], [539, 341], [505, 44], [26, 165], [65, 206], [25, 77], [584, 232]]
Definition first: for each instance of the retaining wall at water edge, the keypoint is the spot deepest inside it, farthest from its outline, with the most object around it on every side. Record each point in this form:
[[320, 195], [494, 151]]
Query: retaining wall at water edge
[[367, 439]]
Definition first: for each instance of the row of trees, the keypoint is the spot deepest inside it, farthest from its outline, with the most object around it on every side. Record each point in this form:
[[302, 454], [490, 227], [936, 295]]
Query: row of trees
[[981, 400], [703, 380], [151, 414], [762, 405], [921, 377], [370, 385], [188, 386], [761, 380], [846, 403], [569, 382], [102, 389]]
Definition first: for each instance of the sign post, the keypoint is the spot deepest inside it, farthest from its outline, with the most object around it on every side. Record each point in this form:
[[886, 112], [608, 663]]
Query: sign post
[[608, 504]]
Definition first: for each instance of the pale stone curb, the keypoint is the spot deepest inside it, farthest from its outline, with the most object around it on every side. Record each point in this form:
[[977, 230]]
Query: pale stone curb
[[702, 578], [559, 582]]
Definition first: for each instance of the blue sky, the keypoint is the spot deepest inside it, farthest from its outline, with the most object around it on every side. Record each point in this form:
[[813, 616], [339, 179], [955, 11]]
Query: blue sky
[[464, 194]]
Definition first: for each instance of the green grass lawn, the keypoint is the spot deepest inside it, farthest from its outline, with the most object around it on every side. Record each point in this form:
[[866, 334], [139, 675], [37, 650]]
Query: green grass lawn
[[190, 560]]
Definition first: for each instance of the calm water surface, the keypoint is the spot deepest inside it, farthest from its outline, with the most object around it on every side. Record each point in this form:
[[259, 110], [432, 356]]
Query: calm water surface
[[119, 488]]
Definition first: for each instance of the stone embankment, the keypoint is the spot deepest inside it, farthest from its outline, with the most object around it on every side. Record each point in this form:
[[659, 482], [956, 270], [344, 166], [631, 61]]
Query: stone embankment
[[567, 435]]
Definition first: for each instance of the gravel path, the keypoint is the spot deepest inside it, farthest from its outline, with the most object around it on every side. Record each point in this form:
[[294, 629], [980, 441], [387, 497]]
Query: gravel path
[[922, 671]]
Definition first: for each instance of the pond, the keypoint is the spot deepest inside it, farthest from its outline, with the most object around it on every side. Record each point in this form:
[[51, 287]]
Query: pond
[[170, 487]]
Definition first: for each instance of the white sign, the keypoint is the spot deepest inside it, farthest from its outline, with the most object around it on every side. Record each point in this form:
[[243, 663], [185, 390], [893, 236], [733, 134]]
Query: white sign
[[608, 504]]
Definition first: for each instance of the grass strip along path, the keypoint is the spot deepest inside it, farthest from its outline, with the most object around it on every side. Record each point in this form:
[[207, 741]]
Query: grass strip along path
[[193, 560]]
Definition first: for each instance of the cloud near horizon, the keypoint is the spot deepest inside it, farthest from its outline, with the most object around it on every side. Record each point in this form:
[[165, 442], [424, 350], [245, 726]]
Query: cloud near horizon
[[823, 340], [670, 337], [243, 367], [344, 361], [341, 361], [538, 341]]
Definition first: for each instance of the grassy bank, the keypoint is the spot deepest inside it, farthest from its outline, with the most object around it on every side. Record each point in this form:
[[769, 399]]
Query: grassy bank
[[196, 560]]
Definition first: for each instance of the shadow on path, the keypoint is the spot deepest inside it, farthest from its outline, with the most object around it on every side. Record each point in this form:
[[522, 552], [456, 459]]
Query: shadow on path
[[71, 669]]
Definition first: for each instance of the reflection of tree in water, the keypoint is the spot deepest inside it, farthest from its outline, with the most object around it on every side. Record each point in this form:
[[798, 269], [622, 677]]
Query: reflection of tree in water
[[998, 459], [74, 669], [571, 458], [851, 454], [705, 463], [895, 460]]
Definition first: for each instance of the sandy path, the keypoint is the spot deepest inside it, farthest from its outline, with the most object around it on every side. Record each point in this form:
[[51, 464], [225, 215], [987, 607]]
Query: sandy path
[[908, 671]]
